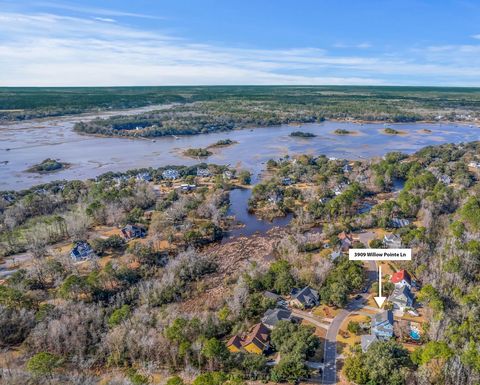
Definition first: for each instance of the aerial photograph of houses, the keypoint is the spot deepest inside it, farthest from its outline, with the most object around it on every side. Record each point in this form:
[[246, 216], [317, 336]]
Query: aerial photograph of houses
[[200, 192]]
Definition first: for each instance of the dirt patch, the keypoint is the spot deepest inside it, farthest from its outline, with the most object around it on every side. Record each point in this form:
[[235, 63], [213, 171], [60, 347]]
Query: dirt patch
[[232, 258]]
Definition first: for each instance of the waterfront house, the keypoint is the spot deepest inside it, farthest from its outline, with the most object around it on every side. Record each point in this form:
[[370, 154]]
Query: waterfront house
[[170, 174], [402, 278], [132, 232], [304, 298], [401, 298], [227, 175], [382, 325], [81, 251], [143, 177], [203, 172], [274, 316]]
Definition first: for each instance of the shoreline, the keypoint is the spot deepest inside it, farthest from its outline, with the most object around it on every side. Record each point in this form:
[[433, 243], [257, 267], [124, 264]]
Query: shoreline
[[293, 125]]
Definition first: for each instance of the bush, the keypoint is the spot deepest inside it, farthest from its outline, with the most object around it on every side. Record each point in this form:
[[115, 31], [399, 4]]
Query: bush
[[176, 380], [43, 363], [353, 327], [119, 315]]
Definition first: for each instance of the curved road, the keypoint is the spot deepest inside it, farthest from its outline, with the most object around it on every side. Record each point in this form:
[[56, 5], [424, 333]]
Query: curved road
[[330, 353]]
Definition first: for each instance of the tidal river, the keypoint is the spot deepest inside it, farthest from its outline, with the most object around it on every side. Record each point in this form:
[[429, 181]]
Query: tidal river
[[26, 143]]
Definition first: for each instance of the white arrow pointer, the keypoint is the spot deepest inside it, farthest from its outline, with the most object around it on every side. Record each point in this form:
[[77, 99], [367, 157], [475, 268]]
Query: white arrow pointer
[[380, 300]]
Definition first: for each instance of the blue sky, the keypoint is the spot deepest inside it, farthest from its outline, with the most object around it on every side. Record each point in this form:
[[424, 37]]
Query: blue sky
[[196, 42]]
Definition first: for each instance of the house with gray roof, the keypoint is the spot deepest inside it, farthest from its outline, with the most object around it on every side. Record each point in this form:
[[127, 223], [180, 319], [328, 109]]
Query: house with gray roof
[[399, 222], [401, 298], [392, 241], [367, 340], [82, 251], [304, 298], [274, 316], [382, 325]]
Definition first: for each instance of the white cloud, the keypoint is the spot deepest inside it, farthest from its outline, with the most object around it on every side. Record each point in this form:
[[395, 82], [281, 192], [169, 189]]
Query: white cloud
[[363, 45], [94, 10], [105, 19], [46, 49]]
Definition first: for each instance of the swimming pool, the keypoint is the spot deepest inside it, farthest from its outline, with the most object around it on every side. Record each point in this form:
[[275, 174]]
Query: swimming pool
[[414, 334]]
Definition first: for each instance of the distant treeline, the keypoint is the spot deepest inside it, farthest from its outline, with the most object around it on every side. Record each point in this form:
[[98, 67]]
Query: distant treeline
[[396, 104]]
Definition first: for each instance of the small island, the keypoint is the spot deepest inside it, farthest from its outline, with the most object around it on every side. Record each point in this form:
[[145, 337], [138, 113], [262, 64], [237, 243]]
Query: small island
[[48, 165], [302, 134], [197, 152], [391, 131], [223, 143], [342, 131]]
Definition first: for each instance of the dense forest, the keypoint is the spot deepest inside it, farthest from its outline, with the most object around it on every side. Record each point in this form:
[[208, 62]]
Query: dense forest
[[397, 104]]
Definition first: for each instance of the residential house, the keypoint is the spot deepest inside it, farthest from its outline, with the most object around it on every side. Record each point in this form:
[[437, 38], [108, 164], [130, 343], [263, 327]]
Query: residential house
[[274, 316], [347, 168], [170, 174], [256, 341], [337, 190], [367, 340], [399, 222], [275, 197], [9, 198], [346, 240], [474, 164], [445, 179], [324, 200], [234, 344], [401, 298], [392, 241], [144, 176], [304, 298], [227, 175], [335, 254], [81, 251], [203, 172], [118, 180], [382, 325], [402, 278], [187, 187], [132, 232]]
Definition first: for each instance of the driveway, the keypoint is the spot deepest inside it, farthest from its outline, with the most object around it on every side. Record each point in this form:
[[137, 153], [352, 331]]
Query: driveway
[[310, 318]]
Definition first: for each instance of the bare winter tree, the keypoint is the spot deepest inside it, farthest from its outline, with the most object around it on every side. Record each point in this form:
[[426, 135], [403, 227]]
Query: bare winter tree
[[78, 223]]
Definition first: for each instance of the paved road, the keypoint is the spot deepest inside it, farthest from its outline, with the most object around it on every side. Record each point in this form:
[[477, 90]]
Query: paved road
[[330, 353]]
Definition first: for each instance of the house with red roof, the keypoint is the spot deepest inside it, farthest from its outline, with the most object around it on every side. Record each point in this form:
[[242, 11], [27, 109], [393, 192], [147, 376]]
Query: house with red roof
[[402, 278], [256, 341]]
